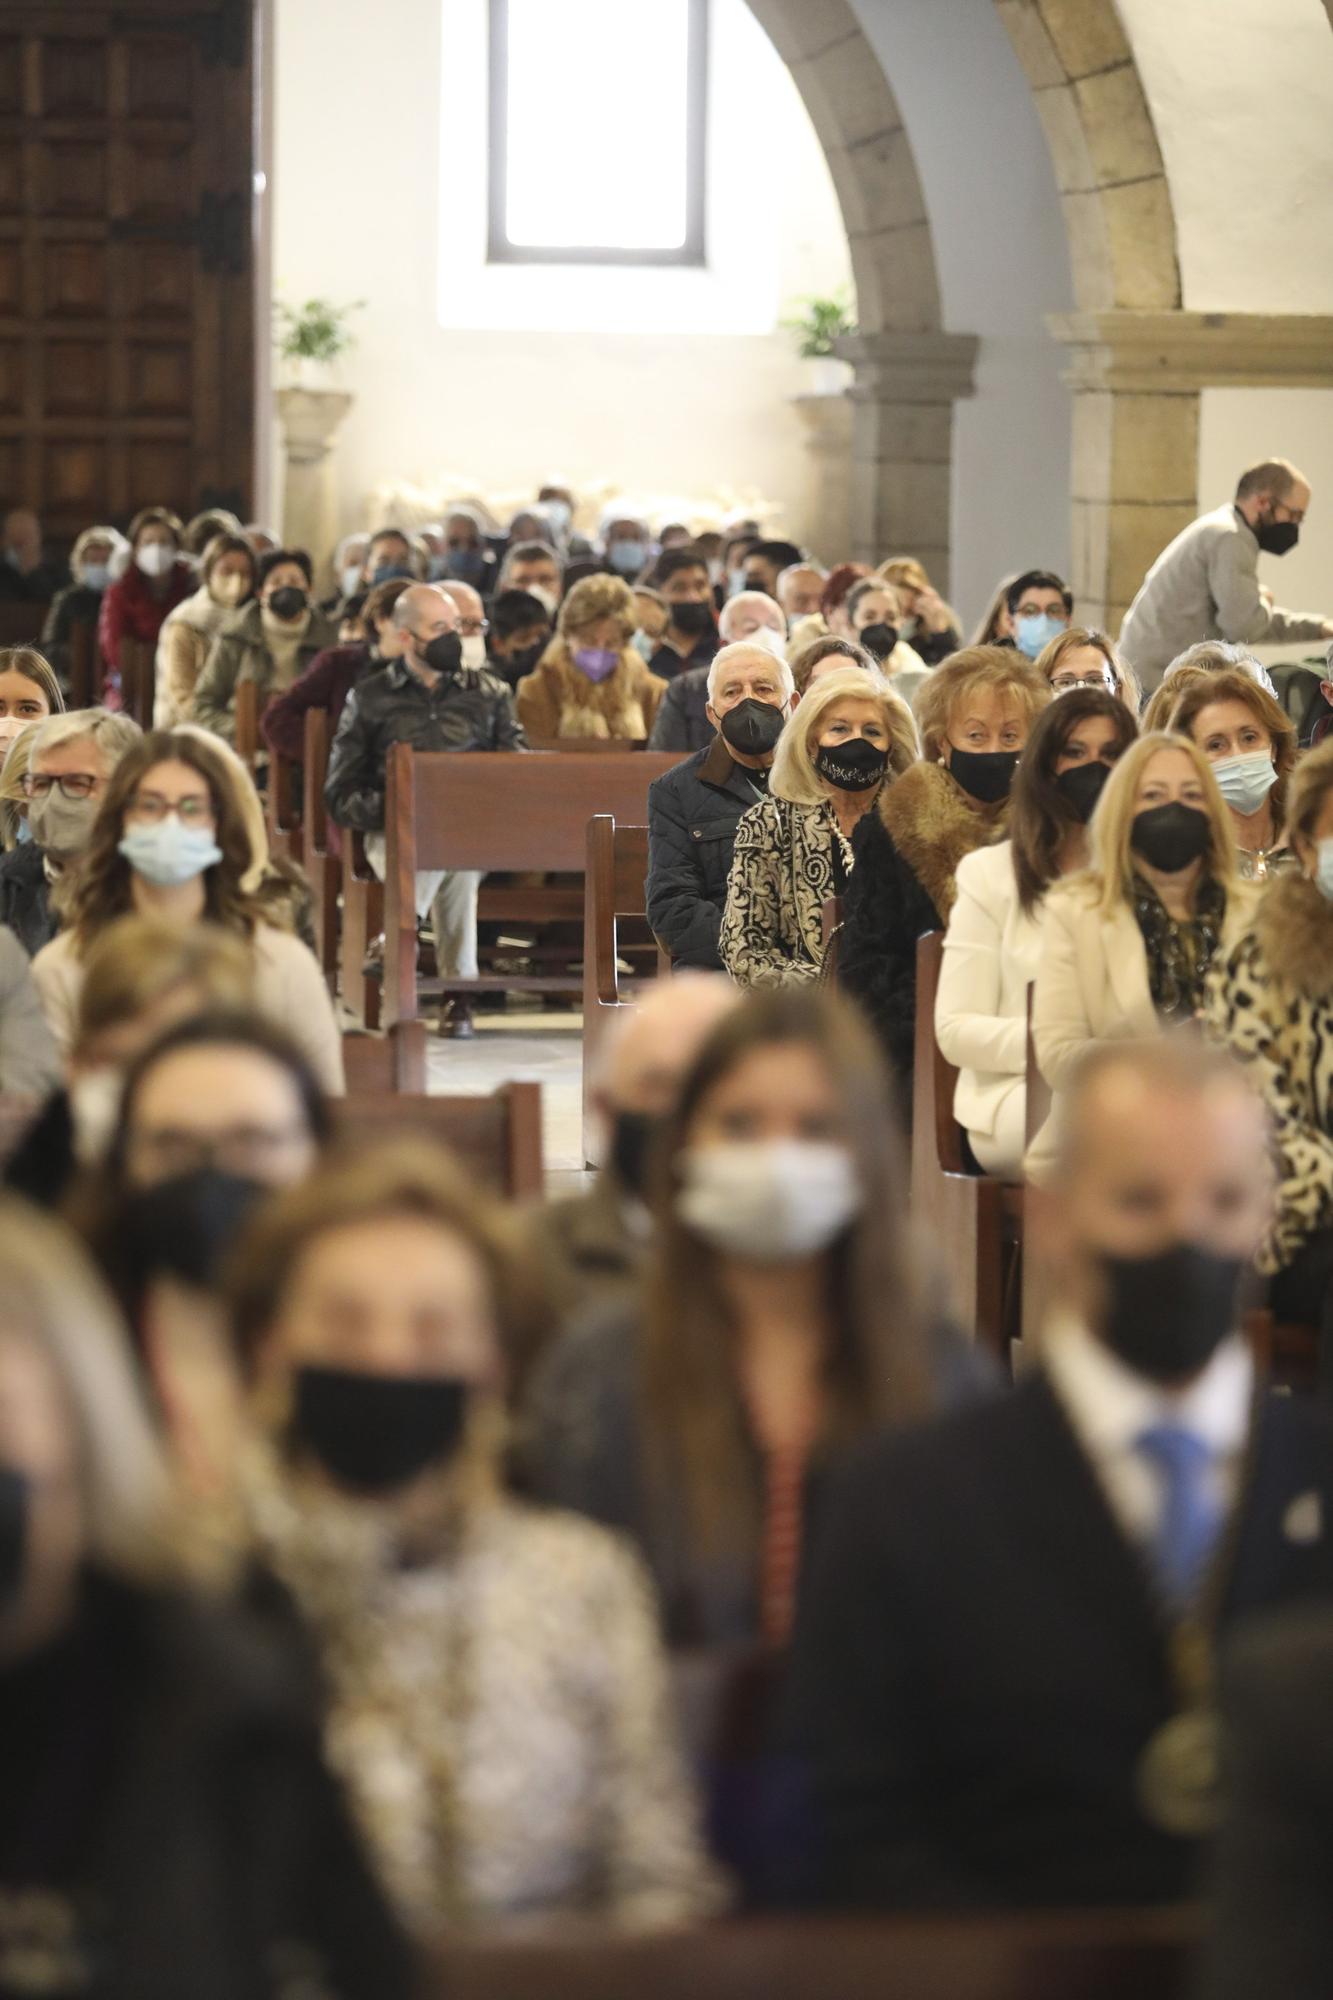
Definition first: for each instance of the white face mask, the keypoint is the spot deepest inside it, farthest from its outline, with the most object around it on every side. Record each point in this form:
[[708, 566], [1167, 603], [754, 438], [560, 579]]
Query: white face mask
[[10, 725], [548, 600], [94, 1103], [771, 641], [770, 1201], [228, 589], [155, 558], [474, 650], [349, 576]]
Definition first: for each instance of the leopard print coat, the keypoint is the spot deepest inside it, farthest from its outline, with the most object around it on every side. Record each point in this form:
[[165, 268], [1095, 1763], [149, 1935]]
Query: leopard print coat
[[1270, 1000]]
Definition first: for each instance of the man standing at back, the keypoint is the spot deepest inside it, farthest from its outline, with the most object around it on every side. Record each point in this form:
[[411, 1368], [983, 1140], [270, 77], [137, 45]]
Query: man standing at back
[[1003, 1679], [1205, 584]]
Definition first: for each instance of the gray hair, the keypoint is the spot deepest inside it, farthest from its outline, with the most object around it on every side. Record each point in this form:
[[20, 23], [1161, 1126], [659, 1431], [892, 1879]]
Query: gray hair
[[113, 734], [747, 597], [727, 656], [1217, 656]]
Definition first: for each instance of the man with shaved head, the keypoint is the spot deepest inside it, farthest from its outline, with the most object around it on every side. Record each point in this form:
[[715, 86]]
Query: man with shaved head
[[431, 698], [693, 811], [801, 590], [592, 1245], [1003, 1687]]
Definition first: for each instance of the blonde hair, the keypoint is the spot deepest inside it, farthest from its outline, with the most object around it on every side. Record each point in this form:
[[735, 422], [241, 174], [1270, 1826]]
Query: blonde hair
[[1310, 785], [1001, 668], [54, 1298], [13, 771], [1112, 869], [1126, 682], [137, 960], [906, 573], [596, 597], [794, 776]]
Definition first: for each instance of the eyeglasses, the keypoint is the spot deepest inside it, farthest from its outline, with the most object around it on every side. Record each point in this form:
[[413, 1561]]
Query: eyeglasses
[[473, 628], [1062, 683], [151, 806], [78, 785], [249, 1151]]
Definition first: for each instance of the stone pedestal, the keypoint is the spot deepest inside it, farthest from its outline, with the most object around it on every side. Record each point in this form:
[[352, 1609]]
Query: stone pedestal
[[310, 420], [824, 520], [1136, 378], [902, 402]]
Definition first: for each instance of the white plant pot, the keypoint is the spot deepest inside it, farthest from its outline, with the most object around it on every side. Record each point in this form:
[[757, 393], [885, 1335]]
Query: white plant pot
[[827, 375]]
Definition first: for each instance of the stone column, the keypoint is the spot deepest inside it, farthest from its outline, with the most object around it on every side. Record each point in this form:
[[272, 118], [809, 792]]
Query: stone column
[[310, 420], [902, 401], [1136, 378], [823, 523]]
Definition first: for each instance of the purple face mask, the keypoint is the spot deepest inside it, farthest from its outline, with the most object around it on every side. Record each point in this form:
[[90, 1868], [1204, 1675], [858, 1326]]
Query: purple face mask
[[597, 662]]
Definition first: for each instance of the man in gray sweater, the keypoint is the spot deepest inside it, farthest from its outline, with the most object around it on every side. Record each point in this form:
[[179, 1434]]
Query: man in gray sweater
[[1205, 584]]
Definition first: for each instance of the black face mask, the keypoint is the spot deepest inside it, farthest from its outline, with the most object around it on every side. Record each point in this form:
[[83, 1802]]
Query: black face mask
[[183, 1227], [288, 602], [852, 767], [1276, 538], [878, 639], [633, 1137], [444, 654], [1081, 786], [375, 1433], [523, 659], [692, 619], [1170, 837], [1165, 1316], [985, 775], [752, 727], [13, 1534]]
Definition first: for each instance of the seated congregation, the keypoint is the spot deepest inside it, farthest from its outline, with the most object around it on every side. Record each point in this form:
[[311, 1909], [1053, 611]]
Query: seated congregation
[[387, 1561]]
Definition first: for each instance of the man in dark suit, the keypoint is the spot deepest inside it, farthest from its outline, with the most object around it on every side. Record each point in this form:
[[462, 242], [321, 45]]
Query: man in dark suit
[[1002, 1680], [1272, 1901], [693, 811]]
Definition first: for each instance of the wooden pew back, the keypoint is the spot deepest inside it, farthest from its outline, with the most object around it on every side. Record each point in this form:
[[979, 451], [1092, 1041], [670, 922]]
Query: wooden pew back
[[83, 677], [497, 1137], [615, 885], [21, 621], [138, 671]]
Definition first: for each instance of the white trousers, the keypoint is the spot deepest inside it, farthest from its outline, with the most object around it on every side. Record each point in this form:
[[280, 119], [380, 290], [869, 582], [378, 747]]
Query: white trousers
[[451, 898]]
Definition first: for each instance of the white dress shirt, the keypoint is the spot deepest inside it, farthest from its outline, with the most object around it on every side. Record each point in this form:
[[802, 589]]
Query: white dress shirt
[[1110, 1406]]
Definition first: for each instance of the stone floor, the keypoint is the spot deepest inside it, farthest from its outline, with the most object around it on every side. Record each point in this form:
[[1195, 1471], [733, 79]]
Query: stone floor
[[524, 1048]]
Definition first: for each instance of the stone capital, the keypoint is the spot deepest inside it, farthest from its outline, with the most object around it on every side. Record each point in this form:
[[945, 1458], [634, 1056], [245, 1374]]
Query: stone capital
[[910, 367], [1179, 353], [310, 421]]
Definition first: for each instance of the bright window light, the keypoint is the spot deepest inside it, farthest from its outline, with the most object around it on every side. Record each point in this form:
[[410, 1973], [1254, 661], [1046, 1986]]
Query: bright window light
[[597, 139]]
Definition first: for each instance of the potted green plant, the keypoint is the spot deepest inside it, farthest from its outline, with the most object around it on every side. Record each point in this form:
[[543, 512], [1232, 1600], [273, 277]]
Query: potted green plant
[[816, 323], [312, 337]]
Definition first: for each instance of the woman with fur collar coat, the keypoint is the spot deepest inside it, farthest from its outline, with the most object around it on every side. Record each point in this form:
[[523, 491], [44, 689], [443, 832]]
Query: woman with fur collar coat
[[974, 714], [1270, 999], [590, 681]]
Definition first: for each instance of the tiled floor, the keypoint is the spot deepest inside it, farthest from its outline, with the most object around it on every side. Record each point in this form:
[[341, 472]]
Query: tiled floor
[[536, 1048]]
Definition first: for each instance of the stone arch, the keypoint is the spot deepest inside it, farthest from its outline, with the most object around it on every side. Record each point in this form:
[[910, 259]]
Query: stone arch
[[1108, 166]]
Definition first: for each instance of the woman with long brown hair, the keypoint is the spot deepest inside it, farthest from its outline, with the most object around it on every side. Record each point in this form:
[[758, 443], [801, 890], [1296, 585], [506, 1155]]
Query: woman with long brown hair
[[171, 840]]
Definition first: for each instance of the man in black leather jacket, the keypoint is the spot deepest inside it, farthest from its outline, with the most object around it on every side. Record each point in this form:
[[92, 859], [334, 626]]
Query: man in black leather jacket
[[429, 699]]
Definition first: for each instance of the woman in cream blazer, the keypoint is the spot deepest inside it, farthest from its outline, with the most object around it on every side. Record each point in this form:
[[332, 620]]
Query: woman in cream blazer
[[1127, 945], [993, 942]]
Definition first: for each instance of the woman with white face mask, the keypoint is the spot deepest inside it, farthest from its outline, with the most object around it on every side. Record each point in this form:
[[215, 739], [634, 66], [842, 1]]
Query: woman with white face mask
[[227, 580], [171, 840], [156, 579], [92, 561]]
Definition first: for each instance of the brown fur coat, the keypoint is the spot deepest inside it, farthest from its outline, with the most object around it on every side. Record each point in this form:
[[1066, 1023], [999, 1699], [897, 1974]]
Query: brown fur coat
[[556, 699]]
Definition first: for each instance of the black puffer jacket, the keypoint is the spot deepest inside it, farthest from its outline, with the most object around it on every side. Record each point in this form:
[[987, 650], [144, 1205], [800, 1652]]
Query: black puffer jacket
[[25, 898], [469, 710], [693, 813]]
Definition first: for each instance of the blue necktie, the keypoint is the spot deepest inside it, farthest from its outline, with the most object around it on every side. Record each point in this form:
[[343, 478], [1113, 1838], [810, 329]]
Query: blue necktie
[[1191, 1517]]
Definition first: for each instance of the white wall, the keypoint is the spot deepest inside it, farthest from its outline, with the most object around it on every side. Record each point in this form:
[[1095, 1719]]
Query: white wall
[[1240, 93], [1241, 426], [525, 380], [1003, 263]]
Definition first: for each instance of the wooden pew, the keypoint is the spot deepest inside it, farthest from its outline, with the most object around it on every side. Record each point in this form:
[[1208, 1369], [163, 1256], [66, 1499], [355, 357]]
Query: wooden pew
[[497, 1137], [615, 885], [138, 675], [971, 1220], [282, 807], [589, 746], [361, 920], [321, 863], [84, 688], [21, 621], [493, 810], [1101, 1955], [375, 1065]]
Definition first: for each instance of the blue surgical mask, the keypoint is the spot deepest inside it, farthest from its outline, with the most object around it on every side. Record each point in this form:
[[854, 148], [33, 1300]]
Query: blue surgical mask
[[437, 569], [1323, 873], [1245, 782], [1035, 631], [735, 582], [466, 565], [168, 853], [388, 571], [627, 557], [96, 576], [23, 833], [557, 513]]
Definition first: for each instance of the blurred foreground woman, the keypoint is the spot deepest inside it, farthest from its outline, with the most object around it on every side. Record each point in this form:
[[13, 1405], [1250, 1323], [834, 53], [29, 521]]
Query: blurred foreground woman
[[169, 1828], [498, 1695]]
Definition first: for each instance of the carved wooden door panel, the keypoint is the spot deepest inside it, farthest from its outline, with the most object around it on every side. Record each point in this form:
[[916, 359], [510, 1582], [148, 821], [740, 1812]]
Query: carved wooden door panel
[[126, 267]]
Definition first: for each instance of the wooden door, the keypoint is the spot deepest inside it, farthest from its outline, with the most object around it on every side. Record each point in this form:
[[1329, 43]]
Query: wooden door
[[126, 267]]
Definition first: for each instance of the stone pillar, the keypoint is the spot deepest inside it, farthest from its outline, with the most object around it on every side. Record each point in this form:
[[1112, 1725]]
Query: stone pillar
[[1136, 378], [310, 420], [902, 401], [823, 522]]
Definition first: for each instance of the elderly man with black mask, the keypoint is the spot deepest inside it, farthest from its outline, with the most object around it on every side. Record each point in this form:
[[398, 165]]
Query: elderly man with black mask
[[693, 811]]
